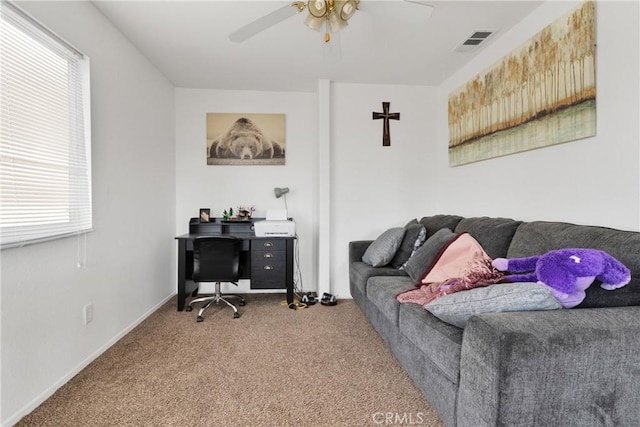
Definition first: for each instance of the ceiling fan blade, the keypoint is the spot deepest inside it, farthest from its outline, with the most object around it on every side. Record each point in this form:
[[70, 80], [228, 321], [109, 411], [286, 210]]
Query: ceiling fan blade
[[266, 21], [409, 11], [421, 3]]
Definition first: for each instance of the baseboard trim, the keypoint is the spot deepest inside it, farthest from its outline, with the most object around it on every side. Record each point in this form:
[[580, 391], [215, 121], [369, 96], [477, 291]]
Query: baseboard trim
[[28, 408]]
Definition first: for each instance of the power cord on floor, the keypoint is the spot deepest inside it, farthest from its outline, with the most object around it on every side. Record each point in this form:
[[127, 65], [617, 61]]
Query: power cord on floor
[[297, 278], [305, 299], [295, 305]]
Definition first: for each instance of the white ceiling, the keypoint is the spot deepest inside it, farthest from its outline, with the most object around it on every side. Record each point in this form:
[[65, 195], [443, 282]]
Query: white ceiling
[[386, 42]]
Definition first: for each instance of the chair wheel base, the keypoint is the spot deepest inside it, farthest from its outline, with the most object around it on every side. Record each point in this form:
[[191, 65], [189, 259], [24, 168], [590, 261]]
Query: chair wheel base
[[242, 303], [236, 315], [199, 319], [188, 308]]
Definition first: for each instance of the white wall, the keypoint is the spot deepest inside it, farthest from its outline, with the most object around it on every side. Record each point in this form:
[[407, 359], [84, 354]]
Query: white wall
[[375, 187], [129, 256], [591, 181], [220, 187]]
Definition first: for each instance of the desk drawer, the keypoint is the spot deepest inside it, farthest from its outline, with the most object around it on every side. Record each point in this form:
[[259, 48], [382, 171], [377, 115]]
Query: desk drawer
[[268, 245], [268, 269]]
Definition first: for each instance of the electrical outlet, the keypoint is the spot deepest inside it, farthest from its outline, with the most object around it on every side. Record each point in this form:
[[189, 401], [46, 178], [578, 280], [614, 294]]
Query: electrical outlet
[[88, 314]]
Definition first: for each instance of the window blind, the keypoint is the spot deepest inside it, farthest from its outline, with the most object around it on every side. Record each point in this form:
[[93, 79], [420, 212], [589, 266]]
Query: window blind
[[45, 166]]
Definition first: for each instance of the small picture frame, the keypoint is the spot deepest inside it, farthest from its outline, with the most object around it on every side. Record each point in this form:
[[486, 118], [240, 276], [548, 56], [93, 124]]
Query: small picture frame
[[205, 215]]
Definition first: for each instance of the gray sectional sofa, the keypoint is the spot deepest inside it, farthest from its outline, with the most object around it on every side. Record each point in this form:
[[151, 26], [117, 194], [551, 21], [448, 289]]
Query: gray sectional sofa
[[567, 367]]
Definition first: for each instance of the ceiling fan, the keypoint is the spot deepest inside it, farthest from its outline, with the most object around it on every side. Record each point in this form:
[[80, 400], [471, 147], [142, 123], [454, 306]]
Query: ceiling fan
[[332, 14]]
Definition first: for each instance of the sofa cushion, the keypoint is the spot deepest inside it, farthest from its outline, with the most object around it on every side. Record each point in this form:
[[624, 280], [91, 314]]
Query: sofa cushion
[[382, 291], [457, 308], [440, 341], [383, 249], [413, 238], [493, 234], [438, 222], [359, 274], [424, 256], [537, 238]]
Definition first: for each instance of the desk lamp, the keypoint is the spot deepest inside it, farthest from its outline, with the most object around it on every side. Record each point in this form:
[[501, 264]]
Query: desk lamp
[[279, 192]]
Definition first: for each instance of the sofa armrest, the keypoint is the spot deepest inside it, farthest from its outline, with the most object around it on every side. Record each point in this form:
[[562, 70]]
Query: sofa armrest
[[357, 248], [569, 367]]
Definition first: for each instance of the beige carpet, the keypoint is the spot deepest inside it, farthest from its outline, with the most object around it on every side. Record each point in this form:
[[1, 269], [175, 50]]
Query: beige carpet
[[321, 366]]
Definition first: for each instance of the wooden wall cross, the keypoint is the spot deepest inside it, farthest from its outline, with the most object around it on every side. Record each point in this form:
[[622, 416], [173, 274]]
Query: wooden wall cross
[[386, 115]]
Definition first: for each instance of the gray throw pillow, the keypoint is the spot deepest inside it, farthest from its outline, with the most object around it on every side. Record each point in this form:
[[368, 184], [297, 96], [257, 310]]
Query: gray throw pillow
[[422, 258], [408, 245], [411, 222], [383, 249], [458, 307]]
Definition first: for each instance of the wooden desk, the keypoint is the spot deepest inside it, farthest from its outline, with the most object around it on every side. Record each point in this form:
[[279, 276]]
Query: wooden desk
[[267, 261]]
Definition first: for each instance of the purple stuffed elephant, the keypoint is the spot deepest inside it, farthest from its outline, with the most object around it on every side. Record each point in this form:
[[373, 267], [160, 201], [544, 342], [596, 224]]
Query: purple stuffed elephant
[[567, 272]]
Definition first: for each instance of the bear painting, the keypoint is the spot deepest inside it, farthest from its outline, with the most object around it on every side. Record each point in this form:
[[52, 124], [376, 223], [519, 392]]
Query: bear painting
[[245, 139]]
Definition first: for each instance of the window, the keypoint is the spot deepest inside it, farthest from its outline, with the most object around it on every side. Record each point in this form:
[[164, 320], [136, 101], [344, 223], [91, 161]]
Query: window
[[45, 157]]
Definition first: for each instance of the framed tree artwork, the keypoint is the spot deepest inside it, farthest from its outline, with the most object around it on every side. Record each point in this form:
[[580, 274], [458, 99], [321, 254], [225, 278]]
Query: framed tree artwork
[[541, 94]]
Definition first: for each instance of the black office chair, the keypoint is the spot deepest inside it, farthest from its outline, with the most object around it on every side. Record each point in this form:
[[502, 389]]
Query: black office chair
[[216, 259]]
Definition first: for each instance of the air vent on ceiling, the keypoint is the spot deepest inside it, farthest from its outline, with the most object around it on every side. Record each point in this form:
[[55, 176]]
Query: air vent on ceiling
[[474, 40]]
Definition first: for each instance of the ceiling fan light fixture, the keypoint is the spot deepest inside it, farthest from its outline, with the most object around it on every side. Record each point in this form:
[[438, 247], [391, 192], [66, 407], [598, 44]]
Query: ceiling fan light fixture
[[313, 22], [317, 8], [335, 22], [348, 9], [334, 14]]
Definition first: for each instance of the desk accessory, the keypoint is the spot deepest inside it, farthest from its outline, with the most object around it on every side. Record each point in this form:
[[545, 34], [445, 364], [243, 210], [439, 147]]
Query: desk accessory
[[245, 212], [227, 214], [275, 228], [280, 192], [205, 215], [276, 215]]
